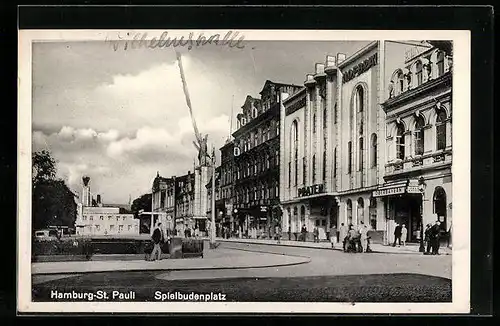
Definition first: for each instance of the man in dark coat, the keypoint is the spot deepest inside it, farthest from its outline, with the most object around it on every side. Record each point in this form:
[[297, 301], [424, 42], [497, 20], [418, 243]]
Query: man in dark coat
[[397, 235], [304, 232], [428, 238], [157, 239], [436, 237]]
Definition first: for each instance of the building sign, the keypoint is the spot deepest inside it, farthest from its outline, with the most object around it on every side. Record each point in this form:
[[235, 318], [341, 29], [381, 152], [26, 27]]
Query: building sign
[[311, 190], [413, 187], [389, 192], [360, 68], [295, 106]]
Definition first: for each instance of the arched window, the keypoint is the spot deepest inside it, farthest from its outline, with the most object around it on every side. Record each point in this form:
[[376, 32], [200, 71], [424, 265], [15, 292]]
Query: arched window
[[324, 166], [441, 130], [349, 157], [418, 72], [359, 99], [440, 63], [401, 82], [335, 162], [374, 150], [324, 118], [314, 123], [335, 113], [349, 212], [361, 154], [361, 209], [304, 175], [255, 112], [419, 135], [314, 169], [295, 148], [373, 213], [400, 142], [439, 200]]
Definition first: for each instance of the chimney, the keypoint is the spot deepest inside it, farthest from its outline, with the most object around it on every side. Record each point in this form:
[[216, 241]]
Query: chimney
[[99, 203], [320, 68], [340, 58]]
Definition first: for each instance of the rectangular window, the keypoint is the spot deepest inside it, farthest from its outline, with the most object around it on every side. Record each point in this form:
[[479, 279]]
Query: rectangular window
[[419, 142], [101, 218], [441, 136], [120, 228], [91, 218]]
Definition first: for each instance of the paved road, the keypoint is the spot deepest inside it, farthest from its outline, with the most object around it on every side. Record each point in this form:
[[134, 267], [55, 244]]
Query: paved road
[[330, 276]]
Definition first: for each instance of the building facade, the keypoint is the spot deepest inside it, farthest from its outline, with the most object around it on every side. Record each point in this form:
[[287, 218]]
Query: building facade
[[225, 203], [333, 142], [100, 219], [418, 176], [163, 204], [256, 159]]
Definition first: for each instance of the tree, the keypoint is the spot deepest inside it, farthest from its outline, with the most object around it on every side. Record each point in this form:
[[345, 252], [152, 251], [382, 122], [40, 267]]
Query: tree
[[141, 203], [53, 203]]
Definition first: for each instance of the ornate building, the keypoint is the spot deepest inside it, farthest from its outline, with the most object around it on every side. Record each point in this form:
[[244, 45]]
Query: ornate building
[[333, 142], [256, 158], [418, 176], [163, 203]]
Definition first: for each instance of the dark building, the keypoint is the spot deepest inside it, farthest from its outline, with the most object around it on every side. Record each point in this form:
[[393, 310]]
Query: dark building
[[226, 186], [185, 203], [257, 160]]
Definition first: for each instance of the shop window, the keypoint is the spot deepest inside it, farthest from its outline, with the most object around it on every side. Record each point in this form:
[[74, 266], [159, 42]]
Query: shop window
[[317, 222], [419, 135], [400, 142], [374, 150], [441, 130]]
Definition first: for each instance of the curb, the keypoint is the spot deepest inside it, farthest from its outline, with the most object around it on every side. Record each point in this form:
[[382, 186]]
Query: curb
[[323, 248], [303, 261]]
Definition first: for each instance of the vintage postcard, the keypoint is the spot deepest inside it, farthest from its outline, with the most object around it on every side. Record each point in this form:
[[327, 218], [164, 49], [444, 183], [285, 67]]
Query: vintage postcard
[[244, 171]]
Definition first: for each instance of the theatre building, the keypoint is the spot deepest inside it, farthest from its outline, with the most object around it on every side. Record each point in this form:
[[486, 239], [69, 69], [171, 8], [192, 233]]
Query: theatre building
[[163, 204], [418, 176], [256, 160], [332, 143]]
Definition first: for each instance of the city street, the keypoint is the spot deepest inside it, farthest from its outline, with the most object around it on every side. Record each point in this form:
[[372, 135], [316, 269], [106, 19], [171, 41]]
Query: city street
[[329, 276]]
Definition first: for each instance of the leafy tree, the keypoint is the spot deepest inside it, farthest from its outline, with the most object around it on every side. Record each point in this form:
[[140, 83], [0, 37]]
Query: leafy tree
[[53, 203], [141, 203]]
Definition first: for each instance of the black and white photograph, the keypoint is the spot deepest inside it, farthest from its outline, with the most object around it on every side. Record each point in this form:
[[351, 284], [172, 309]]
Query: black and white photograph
[[244, 171]]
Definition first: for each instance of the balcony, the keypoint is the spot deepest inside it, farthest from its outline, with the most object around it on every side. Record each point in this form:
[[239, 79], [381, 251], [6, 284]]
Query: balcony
[[426, 161]]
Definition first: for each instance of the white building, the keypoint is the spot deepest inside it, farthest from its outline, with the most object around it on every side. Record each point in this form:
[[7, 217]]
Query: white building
[[99, 220]]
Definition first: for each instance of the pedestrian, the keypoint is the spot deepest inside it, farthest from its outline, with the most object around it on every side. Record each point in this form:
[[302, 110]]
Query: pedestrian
[[333, 235], [277, 232], [343, 235], [404, 234], [359, 242], [353, 235], [436, 237], [316, 234], [304, 232], [364, 238], [157, 239], [397, 235], [427, 238]]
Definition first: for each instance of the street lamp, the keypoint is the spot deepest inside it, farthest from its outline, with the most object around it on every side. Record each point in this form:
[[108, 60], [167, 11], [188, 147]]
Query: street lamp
[[421, 188]]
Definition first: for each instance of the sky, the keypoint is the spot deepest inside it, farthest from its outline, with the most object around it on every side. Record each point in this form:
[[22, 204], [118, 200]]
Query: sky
[[120, 116]]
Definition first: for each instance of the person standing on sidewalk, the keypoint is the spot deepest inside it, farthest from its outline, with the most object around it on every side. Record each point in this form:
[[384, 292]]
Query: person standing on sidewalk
[[436, 237], [333, 236], [364, 237], [157, 239], [343, 235], [277, 232], [304, 232], [397, 235], [427, 238], [404, 234], [316, 234]]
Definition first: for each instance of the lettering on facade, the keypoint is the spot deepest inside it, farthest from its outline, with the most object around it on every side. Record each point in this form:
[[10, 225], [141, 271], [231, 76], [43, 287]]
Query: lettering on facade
[[391, 191], [311, 190], [360, 68], [295, 106]]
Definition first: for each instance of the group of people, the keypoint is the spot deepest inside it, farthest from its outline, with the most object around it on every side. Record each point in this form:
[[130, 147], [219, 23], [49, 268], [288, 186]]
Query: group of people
[[432, 237], [354, 238]]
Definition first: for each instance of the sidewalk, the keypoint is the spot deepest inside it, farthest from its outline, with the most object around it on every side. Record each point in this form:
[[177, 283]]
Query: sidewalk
[[377, 248], [223, 260]]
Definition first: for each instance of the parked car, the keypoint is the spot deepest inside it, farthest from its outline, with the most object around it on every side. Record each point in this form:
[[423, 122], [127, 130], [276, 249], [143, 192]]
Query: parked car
[[46, 235]]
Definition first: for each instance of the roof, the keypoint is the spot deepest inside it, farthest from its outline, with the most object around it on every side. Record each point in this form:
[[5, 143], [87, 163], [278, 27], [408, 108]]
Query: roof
[[277, 84]]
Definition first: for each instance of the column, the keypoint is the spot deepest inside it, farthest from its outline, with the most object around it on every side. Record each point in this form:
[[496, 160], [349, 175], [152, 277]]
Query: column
[[367, 212], [151, 228], [449, 136]]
